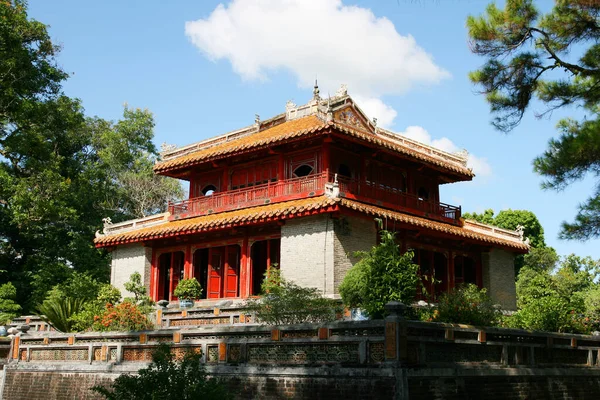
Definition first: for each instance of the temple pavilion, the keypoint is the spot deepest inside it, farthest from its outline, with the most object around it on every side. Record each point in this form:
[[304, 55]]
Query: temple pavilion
[[301, 192]]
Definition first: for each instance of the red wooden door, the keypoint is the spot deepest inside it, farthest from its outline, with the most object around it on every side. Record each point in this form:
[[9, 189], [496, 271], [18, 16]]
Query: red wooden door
[[215, 273], [232, 272]]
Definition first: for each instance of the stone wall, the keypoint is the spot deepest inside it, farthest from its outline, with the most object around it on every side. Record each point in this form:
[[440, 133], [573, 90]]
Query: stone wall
[[499, 277], [307, 252], [129, 259], [391, 359], [351, 234]]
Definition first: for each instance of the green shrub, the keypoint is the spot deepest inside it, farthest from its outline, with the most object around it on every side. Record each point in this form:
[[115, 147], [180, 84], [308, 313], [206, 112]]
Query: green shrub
[[383, 274], [188, 289], [466, 305], [284, 302], [83, 320], [140, 293], [57, 311], [166, 378], [9, 309]]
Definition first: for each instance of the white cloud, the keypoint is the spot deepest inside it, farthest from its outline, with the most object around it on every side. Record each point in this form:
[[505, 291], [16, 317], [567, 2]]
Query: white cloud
[[340, 44], [480, 165], [374, 107]]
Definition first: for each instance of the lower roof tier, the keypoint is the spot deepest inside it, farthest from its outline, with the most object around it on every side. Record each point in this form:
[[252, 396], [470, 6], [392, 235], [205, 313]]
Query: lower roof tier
[[161, 227]]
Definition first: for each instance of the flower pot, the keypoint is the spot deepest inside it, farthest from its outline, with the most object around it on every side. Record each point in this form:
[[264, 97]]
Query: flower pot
[[186, 303]]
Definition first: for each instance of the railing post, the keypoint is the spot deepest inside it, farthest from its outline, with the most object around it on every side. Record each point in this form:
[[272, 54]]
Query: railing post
[[395, 333]]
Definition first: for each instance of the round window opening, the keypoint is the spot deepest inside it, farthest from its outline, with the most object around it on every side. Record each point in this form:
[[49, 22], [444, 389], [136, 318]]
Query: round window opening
[[209, 190], [303, 170]]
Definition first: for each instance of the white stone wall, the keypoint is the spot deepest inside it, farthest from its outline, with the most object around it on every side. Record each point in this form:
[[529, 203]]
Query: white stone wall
[[126, 260], [352, 234], [499, 277], [307, 252]]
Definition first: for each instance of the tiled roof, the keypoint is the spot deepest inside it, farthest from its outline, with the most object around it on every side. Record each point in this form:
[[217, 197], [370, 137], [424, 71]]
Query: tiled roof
[[301, 127], [465, 231], [283, 210], [220, 220], [284, 131], [399, 148]]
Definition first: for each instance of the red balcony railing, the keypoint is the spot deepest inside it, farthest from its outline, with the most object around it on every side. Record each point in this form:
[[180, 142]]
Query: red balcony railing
[[271, 192], [314, 185], [388, 197]]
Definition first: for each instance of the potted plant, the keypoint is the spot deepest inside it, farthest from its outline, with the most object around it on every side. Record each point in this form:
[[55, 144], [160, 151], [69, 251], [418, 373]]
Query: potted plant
[[187, 291]]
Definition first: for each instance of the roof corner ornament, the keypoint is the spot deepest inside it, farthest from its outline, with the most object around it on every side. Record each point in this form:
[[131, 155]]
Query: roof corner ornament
[[107, 223], [342, 91], [257, 119], [520, 231], [462, 154], [328, 110], [165, 147], [99, 235], [290, 105], [316, 92], [375, 121]]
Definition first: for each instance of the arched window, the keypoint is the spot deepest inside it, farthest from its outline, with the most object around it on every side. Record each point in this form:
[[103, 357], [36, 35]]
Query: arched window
[[344, 170], [209, 190], [303, 170]]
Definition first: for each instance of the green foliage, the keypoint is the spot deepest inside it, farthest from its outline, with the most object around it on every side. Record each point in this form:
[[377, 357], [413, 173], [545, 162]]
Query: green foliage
[[57, 311], [467, 305], [166, 378], [9, 309], [80, 286], [122, 317], [382, 275], [284, 302], [83, 320], [556, 58], [556, 299], [188, 289], [60, 172], [139, 291]]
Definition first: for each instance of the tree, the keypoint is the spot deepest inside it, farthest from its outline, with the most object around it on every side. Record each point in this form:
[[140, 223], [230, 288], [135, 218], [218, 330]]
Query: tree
[[166, 378], [552, 299], [9, 309], [555, 57], [60, 172], [383, 274]]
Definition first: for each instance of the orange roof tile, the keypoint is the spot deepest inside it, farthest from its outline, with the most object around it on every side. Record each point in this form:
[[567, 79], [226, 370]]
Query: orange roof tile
[[305, 126], [284, 210], [463, 231], [219, 220], [284, 131], [399, 148]]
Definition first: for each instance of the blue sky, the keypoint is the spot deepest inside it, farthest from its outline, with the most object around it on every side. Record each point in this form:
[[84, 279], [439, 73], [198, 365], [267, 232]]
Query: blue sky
[[407, 60]]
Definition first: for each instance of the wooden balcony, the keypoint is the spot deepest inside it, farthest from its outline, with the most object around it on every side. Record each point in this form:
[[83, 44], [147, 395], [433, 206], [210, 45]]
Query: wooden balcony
[[272, 192], [314, 185]]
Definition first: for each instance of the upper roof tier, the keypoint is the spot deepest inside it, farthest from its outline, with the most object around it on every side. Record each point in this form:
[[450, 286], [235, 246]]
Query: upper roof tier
[[337, 116]]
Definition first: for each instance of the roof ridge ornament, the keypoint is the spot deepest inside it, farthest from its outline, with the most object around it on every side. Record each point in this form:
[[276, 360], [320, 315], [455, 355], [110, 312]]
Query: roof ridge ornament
[[316, 91], [342, 91]]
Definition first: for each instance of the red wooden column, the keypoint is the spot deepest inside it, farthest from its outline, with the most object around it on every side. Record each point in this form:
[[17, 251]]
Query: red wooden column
[[451, 283], [153, 277], [280, 168], [187, 263], [171, 275], [225, 179], [244, 269], [268, 254], [326, 156]]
